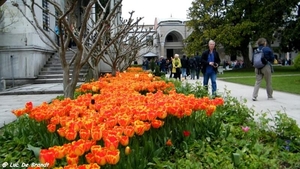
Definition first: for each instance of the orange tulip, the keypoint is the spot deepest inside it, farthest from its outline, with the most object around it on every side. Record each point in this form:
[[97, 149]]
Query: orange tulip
[[90, 158], [147, 126], [59, 151], [71, 166], [62, 131], [96, 148], [96, 134], [111, 122], [112, 156], [47, 156], [210, 109], [139, 127], [84, 134], [100, 156], [71, 134], [19, 112], [169, 142], [157, 124], [162, 114], [88, 124], [129, 131], [151, 115], [28, 106], [124, 140], [89, 166], [111, 142], [124, 121], [72, 159], [51, 128], [77, 148], [55, 120], [88, 144]]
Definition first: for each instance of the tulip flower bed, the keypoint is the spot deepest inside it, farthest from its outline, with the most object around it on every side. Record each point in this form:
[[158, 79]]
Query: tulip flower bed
[[133, 111], [136, 120]]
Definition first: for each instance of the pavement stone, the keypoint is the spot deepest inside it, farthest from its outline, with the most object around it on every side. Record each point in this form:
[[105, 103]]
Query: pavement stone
[[12, 102], [283, 102]]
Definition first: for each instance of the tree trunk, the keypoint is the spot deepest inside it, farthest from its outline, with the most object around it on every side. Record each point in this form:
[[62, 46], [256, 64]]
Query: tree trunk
[[95, 72], [114, 70], [245, 53], [69, 85], [66, 82]]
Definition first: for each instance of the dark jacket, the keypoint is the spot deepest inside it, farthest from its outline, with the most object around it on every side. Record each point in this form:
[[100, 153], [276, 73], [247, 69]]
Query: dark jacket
[[205, 63], [184, 62], [268, 53]]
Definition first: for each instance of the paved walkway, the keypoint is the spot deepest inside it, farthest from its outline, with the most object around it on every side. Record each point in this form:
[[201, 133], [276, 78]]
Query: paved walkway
[[38, 93], [284, 102]]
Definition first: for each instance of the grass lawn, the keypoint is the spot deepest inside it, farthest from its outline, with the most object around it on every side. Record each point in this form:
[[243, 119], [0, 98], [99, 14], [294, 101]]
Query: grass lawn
[[285, 78]]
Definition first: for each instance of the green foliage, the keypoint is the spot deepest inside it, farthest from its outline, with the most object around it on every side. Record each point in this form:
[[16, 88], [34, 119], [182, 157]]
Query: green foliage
[[216, 141], [297, 62], [152, 65], [21, 138], [235, 24]]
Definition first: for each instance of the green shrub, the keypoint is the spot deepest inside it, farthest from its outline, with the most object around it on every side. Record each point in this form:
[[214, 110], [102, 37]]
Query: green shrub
[[152, 65], [297, 62]]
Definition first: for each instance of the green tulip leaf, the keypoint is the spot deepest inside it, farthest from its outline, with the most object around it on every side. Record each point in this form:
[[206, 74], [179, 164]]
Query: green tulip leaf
[[36, 150]]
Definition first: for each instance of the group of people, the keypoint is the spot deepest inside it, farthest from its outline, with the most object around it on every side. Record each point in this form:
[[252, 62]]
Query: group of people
[[208, 65]]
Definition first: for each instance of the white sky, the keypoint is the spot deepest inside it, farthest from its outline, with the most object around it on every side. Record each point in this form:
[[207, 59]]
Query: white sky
[[149, 9]]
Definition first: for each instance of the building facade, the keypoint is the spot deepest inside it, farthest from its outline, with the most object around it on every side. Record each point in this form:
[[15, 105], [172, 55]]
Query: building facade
[[22, 52]]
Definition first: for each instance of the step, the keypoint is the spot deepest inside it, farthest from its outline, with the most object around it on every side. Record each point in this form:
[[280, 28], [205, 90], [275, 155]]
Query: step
[[55, 76], [57, 72], [58, 68], [57, 80], [59, 65], [57, 62]]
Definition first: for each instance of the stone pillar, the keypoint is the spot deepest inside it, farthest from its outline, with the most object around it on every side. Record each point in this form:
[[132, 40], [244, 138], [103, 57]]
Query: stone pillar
[[162, 49]]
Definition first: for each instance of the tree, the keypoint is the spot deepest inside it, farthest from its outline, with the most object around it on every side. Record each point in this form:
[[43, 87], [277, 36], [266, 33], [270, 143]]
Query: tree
[[236, 23], [89, 39], [125, 37], [125, 50], [290, 33]]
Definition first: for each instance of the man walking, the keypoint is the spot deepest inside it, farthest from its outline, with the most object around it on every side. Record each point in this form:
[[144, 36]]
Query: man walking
[[184, 65], [198, 65], [210, 61], [264, 72]]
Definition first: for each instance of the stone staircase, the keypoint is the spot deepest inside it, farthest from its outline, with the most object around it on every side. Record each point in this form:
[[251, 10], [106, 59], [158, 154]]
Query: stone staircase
[[52, 71]]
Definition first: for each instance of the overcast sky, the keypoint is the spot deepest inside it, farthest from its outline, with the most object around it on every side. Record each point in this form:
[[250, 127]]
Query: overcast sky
[[149, 9]]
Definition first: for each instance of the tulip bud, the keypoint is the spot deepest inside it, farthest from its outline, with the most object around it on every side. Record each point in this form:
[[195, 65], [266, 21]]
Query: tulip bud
[[127, 150]]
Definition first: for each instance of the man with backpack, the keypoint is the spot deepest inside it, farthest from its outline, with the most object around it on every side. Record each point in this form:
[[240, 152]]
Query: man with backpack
[[262, 61]]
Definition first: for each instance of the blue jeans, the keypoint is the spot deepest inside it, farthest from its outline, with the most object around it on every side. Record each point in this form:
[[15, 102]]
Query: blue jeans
[[183, 72], [213, 77]]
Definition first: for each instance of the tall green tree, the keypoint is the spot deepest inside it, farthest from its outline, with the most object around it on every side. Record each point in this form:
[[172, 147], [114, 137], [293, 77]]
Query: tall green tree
[[290, 34], [235, 24]]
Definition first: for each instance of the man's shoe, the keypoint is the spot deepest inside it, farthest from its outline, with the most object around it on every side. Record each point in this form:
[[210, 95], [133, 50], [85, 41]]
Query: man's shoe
[[254, 98]]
